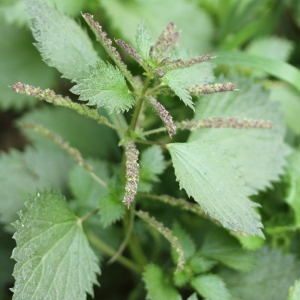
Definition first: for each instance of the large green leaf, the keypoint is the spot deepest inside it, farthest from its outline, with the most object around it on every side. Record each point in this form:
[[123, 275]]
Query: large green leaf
[[157, 285], [157, 14], [61, 41], [259, 153], [54, 259], [215, 185], [293, 176], [23, 173], [211, 286], [20, 61], [104, 86], [270, 278]]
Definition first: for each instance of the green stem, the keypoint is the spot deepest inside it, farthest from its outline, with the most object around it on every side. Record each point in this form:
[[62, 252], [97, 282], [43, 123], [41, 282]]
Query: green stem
[[157, 130], [139, 105], [89, 214], [149, 143], [102, 246]]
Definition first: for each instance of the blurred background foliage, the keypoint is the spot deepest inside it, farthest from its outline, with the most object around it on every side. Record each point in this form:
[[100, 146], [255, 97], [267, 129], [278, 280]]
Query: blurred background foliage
[[254, 38]]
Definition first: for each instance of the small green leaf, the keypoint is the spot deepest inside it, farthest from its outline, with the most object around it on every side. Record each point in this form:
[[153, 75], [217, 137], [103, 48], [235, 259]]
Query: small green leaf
[[270, 277], [143, 41], [173, 80], [104, 86], [182, 277], [217, 187], [249, 242], [157, 285], [259, 153], [84, 188], [294, 291], [220, 246], [201, 264], [293, 176], [50, 240], [111, 206], [211, 286], [73, 52], [186, 242], [151, 164]]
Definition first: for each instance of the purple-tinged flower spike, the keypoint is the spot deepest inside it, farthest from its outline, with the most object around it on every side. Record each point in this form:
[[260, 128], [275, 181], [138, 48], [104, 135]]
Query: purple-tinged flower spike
[[221, 122], [132, 172], [164, 115], [107, 45], [181, 64], [167, 39], [210, 88], [131, 51]]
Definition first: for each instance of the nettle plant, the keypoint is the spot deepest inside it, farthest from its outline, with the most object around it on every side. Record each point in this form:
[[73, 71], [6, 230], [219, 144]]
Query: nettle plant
[[235, 149]]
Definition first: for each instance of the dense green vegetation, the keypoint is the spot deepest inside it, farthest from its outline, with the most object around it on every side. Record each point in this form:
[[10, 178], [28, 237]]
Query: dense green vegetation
[[150, 149]]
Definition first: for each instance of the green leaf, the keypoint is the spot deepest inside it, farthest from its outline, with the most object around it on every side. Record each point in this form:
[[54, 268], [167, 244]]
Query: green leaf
[[272, 47], [201, 264], [22, 65], [211, 286], [104, 86], [288, 98], [182, 277], [84, 188], [157, 285], [84, 134], [259, 153], [197, 35], [173, 80], [186, 242], [143, 41], [22, 173], [217, 187], [111, 206], [73, 52], [54, 259], [270, 278], [249, 242], [151, 164], [294, 291], [220, 246], [276, 68], [293, 176]]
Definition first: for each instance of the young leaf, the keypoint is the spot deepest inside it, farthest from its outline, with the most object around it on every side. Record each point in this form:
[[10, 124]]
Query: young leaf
[[294, 291], [259, 153], [293, 175], [22, 173], [157, 285], [220, 246], [270, 278], [50, 240], [151, 164], [211, 286], [104, 86], [201, 264], [215, 185], [143, 41], [73, 52]]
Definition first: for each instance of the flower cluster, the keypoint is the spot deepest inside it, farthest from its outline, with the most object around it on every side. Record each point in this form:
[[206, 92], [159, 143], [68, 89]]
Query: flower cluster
[[201, 89], [132, 172]]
